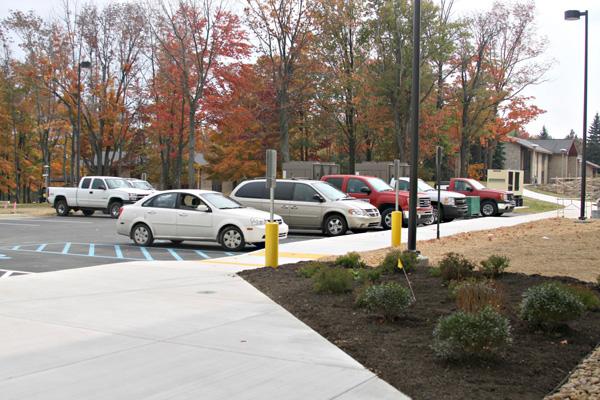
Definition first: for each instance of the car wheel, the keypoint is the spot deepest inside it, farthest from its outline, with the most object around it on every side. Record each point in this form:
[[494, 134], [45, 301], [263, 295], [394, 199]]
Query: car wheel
[[335, 225], [260, 245], [87, 213], [141, 235], [113, 208], [386, 218], [176, 241], [435, 213], [489, 208], [232, 239], [62, 208]]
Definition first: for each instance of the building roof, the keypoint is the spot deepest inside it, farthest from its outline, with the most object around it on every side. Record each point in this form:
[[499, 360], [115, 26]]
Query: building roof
[[554, 145], [530, 145]]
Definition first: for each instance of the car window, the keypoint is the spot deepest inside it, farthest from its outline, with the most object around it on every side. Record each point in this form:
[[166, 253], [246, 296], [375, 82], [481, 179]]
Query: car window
[[221, 201], [283, 190], [189, 201], [303, 192], [165, 200], [98, 183], [461, 185], [354, 185], [116, 183], [86, 183], [335, 182], [403, 185], [253, 190]]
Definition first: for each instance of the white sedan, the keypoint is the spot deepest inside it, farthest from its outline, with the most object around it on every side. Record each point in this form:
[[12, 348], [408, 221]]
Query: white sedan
[[179, 215]]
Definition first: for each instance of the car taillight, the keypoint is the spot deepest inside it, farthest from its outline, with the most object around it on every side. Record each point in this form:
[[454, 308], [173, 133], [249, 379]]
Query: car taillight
[[120, 212]]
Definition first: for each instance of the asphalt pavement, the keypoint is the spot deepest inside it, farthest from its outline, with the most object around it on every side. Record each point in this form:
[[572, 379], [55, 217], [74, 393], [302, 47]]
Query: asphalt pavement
[[41, 244]]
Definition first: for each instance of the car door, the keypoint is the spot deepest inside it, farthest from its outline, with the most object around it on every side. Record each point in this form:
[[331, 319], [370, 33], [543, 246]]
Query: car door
[[305, 211], [94, 197], [253, 194], [463, 187], [83, 194], [160, 212], [283, 196], [354, 188], [194, 218]]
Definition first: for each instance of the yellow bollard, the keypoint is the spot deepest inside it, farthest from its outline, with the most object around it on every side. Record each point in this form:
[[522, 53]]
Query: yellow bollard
[[396, 228], [272, 244]]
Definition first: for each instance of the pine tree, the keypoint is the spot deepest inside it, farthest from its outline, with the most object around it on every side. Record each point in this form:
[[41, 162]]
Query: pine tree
[[593, 144], [571, 135], [544, 133], [499, 157]]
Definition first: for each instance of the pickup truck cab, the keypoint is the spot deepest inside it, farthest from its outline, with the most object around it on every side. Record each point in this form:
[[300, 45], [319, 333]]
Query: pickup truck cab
[[105, 193], [493, 202], [452, 205], [382, 196]]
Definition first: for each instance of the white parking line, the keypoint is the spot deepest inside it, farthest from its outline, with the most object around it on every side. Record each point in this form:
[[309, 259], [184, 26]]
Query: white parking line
[[11, 223]]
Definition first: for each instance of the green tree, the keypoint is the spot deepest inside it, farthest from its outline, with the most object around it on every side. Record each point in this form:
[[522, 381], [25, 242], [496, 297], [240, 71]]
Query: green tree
[[593, 145], [544, 133], [571, 135], [499, 156]]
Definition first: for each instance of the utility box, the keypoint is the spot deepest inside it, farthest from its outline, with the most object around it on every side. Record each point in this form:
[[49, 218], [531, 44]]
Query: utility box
[[309, 169], [381, 169], [473, 206], [507, 179]]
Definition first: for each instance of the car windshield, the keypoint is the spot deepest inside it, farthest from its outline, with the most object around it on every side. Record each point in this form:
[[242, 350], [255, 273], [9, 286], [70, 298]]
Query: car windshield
[[116, 183], [476, 184], [423, 186], [141, 185], [379, 185], [329, 191], [220, 201]]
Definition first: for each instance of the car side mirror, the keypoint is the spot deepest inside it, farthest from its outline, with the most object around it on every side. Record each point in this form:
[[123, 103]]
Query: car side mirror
[[101, 187], [319, 198], [203, 208], [469, 189], [365, 189]]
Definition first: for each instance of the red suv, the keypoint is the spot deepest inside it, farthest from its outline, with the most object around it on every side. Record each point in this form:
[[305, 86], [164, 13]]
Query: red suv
[[382, 196]]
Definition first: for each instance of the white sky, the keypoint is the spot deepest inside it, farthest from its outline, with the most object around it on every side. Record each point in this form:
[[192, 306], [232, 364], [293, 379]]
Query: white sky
[[561, 95]]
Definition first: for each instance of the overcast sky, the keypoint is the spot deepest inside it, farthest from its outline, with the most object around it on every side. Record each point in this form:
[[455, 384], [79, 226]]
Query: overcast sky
[[561, 95]]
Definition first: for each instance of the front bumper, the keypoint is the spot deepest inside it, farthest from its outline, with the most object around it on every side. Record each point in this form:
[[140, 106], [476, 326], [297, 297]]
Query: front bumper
[[424, 215], [455, 211], [256, 234], [363, 221], [507, 206]]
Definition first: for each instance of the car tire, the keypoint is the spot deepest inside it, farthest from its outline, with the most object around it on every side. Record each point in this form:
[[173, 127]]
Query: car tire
[[88, 213], [62, 208], [359, 230], [260, 245], [113, 209], [435, 213], [488, 208], [231, 238], [176, 242], [386, 218], [335, 225], [142, 235]]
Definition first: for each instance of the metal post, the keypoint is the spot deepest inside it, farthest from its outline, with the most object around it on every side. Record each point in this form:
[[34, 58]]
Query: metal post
[[77, 141], [271, 227], [584, 147], [414, 122], [396, 214], [438, 161]]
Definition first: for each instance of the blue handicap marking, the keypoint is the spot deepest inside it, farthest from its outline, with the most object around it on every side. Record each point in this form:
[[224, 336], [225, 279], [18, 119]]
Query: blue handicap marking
[[4, 257]]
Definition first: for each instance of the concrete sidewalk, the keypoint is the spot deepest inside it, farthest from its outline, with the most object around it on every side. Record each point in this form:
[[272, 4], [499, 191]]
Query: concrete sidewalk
[[164, 330]]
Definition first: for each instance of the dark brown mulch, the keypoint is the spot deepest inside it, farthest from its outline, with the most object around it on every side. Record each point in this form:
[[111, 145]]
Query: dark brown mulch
[[400, 352]]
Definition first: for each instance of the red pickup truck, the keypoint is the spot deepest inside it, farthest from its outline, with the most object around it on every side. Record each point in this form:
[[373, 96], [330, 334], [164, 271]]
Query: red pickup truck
[[492, 201], [382, 196]]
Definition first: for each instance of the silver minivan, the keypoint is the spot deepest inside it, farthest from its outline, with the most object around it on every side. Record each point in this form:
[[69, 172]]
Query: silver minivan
[[309, 204]]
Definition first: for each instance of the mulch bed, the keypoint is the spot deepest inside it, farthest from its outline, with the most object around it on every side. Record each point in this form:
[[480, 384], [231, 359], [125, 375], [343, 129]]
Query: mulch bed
[[400, 352]]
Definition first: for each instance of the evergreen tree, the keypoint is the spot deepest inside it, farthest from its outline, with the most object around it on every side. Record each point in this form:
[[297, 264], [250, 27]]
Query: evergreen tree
[[593, 145], [571, 135], [544, 133], [499, 157]]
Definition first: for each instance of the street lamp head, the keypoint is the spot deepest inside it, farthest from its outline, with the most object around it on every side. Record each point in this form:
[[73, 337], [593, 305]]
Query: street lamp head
[[573, 15], [85, 64]]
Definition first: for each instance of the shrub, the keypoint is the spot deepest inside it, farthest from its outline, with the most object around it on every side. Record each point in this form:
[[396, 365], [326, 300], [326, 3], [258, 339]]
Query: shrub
[[390, 262], [549, 304], [333, 280], [585, 295], [494, 266], [309, 270], [455, 267], [462, 335], [388, 299], [350, 260], [435, 272], [364, 275], [474, 296]]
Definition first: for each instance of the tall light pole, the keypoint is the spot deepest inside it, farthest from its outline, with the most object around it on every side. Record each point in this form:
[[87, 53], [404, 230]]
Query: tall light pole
[[83, 64], [414, 127], [572, 15]]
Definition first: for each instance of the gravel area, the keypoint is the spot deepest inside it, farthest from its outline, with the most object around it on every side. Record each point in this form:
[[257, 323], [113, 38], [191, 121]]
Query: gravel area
[[584, 381]]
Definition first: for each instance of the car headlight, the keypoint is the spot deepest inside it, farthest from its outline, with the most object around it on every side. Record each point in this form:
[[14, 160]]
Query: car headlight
[[505, 197], [449, 201], [356, 211], [132, 196], [257, 221]]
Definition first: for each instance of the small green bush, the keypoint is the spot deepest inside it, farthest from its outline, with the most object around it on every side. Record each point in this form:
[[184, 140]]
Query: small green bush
[[390, 262], [585, 295], [367, 275], [474, 296], [388, 299], [350, 260], [463, 335], [309, 270], [494, 266], [434, 272], [333, 280], [455, 267], [549, 305]]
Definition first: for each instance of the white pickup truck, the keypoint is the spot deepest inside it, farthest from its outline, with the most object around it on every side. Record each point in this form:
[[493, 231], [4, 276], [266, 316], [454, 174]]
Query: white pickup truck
[[105, 193]]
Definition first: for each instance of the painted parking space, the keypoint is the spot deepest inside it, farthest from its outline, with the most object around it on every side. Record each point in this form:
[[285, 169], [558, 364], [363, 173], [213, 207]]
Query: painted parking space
[[119, 252]]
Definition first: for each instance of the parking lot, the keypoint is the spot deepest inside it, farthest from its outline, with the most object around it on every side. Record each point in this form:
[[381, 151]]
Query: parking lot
[[53, 243]]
